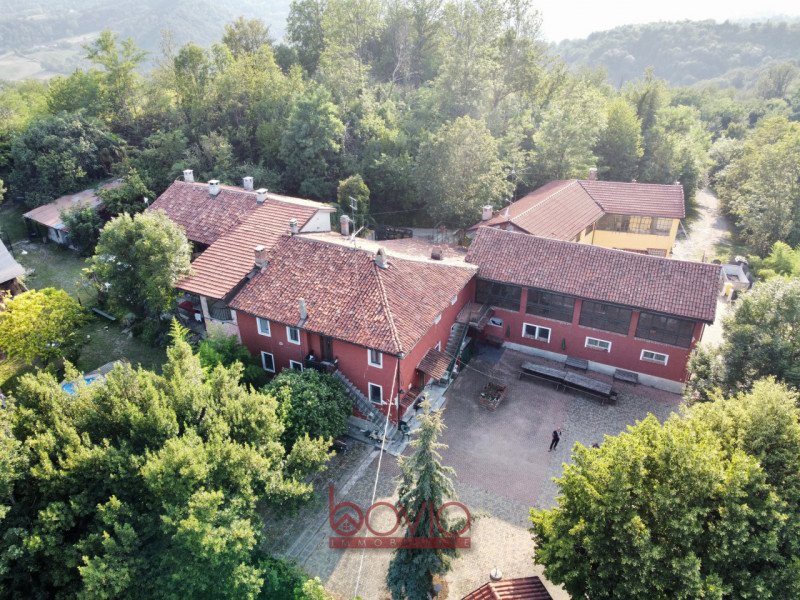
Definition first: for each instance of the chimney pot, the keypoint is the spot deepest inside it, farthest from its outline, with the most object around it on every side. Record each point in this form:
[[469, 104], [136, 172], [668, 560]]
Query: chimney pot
[[293, 228], [487, 213], [436, 253], [261, 261], [344, 225], [213, 186], [593, 174], [677, 182], [380, 258], [247, 183], [303, 310], [261, 195], [188, 176]]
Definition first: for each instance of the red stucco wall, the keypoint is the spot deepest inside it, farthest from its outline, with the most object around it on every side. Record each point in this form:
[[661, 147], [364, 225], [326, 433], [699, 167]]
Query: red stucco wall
[[570, 339]]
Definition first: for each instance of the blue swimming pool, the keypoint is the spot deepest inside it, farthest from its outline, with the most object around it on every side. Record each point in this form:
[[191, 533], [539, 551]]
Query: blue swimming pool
[[69, 386]]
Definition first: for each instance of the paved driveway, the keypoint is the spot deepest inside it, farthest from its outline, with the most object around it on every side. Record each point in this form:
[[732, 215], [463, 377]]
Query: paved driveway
[[505, 452]]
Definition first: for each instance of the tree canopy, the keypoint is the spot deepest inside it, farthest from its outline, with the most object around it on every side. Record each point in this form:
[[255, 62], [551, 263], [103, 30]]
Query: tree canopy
[[138, 260], [40, 325], [144, 485], [701, 506]]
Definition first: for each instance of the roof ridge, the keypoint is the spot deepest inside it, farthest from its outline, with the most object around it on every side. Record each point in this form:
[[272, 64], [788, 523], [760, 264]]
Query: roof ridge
[[387, 307], [588, 193], [558, 191]]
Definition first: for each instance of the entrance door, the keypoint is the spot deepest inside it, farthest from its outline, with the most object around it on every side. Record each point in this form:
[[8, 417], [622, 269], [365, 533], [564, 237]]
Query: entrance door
[[327, 348]]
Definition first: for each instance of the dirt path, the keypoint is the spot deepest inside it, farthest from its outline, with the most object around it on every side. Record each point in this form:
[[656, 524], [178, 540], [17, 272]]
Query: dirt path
[[709, 234], [709, 237]]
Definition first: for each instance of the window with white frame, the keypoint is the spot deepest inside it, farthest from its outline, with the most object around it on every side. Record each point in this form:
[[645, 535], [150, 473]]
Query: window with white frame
[[495, 322], [293, 335], [656, 357], [375, 358], [603, 345], [536, 332], [297, 366], [263, 327], [376, 393], [268, 362]]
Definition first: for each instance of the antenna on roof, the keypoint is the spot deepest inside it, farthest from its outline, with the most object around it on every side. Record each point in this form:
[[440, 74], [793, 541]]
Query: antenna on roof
[[354, 235], [353, 203]]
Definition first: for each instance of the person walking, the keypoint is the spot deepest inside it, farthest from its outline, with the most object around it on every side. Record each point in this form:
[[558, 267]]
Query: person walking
[[554, 441]]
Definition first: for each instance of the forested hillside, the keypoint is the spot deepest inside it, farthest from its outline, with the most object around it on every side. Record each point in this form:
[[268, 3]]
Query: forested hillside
[[687, 52], [50, 32]]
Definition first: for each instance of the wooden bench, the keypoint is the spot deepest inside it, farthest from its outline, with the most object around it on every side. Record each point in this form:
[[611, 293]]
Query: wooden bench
[[577, 363], [590, 387], [104, 314], [493, 340], [629, 376]]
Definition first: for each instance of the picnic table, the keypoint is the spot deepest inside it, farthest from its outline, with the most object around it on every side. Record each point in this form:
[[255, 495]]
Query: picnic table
[[587, 385], [541, 372], [569, 380]]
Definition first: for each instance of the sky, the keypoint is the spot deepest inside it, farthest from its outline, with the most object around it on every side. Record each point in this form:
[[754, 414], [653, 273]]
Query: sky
[[568, 19]]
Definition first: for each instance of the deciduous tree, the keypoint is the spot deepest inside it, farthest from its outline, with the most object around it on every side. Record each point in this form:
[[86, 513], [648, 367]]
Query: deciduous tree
[[700, 506], [138, 260], [41, 325]]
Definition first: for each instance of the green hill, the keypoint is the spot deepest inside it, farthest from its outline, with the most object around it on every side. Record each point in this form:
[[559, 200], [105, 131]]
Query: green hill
[[687, 52]]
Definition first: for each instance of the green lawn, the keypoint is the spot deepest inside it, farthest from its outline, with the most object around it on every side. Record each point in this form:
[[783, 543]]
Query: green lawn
[[50, 265]]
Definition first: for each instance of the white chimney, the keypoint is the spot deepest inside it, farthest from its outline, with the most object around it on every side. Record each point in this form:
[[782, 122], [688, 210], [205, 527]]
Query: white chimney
[[303, 310], [344, 224], [261, 261], [380, 258], [593, 174], [247, 183], [188, 176], [293, 228], [261, 195], [213, 186], [487, 213]]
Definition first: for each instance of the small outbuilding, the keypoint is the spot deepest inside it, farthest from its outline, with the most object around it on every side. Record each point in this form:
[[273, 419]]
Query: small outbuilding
[[48, 216], [10, 272]]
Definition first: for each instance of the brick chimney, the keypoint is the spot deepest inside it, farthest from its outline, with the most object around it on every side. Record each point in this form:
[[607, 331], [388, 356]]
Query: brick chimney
[[261, 260], [188, 176], [213, 187], [344, 224], [593, 174], [261, 195], [380, 258], [247, 183], [293, 228], [487, 213]]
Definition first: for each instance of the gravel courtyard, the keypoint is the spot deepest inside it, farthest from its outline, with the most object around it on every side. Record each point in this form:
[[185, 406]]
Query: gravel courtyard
[[503, 469]]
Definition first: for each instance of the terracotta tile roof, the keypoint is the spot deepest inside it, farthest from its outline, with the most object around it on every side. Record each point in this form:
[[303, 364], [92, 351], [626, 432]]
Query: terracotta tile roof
[[434, 363], [561, 209], [218, 270], [525, 588], [348, 296], [49, 215], [673, 287], [9, 268], [204, 218]]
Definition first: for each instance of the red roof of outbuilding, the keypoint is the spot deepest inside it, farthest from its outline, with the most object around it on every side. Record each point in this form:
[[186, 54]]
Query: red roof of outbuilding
[[524, 588], [49, 215], [348, 296], [673, 287], [561, 209]]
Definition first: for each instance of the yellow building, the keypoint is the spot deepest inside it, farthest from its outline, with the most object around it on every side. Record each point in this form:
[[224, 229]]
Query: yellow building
[[638, 217]]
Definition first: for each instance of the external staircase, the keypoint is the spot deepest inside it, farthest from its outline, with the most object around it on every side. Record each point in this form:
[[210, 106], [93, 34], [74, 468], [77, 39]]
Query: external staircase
[[375, 417]]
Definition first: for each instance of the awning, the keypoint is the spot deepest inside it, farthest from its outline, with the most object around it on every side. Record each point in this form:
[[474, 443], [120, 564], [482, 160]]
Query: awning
[[434, 363]]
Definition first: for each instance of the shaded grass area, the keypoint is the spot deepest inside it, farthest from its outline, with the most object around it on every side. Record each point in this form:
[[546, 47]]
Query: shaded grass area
[[12, 225], [50, 265]]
